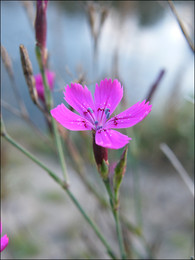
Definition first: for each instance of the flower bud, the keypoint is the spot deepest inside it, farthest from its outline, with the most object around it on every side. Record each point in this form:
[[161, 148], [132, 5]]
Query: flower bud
[[120, 171], [39, 83], [101, 158], [41, 27]]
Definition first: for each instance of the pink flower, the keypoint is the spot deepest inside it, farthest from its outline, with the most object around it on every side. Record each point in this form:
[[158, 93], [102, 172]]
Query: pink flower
[[4, 240], [39, 83], [95, 114]]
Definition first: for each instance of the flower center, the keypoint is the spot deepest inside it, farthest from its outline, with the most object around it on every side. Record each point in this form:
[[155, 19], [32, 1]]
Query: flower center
[[102, 116], [99, 118], [89, 113]]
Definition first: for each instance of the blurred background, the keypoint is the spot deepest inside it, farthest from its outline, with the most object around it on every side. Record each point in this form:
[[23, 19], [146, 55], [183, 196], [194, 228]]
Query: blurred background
[[141, 44]]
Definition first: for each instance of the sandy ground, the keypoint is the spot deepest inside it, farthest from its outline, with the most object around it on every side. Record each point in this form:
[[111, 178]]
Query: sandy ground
[[37, 214]]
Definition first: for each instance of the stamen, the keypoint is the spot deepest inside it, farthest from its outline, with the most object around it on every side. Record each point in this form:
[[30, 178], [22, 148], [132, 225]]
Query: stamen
[[99, 127], [90, 110], [89, 113], [107, 115], [107, 110], [96, 123]]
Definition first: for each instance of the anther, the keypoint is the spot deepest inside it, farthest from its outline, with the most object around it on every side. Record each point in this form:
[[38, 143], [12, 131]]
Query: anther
[[90, 110], [107, 110], [107, 115]]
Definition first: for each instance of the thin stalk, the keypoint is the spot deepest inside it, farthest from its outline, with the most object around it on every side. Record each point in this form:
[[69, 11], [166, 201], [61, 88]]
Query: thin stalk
[[56, 133], [34, 159], [136, 180], [65, 187], [49, 101], [92, 224], [9, 68], [173, 9], [107, 184], [20, 114], [137, 195], [119, 234], [60, 149], [178, 166], [116, 218], [47, 92], [80, 169]]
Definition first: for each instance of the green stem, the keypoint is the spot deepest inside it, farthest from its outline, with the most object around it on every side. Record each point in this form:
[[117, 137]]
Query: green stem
[[34, 159], [64, 186], [136, 179], [107, 184], [119, 234], [116, 218], [92, 224], [47, 92], [60, 149], [49, 101], [56, 133], [136, 188]]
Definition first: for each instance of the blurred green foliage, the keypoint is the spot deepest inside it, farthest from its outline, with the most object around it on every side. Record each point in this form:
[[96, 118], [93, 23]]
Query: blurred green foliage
[[23, 246], [176, 129]]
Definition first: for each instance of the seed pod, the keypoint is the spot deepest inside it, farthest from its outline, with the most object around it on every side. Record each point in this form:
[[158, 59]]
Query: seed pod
[[101, 158], [28, 73]]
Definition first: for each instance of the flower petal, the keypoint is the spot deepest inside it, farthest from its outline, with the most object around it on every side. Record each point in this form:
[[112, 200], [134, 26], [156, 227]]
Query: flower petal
[[130, 117], [39, 83], [108, 95], [81, 100], [50, 77], [70, 120], [111, 139], [4, 242]]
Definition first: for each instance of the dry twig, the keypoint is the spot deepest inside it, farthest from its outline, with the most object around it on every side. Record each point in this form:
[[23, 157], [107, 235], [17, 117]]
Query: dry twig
[[190, 43], [155, 85]]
